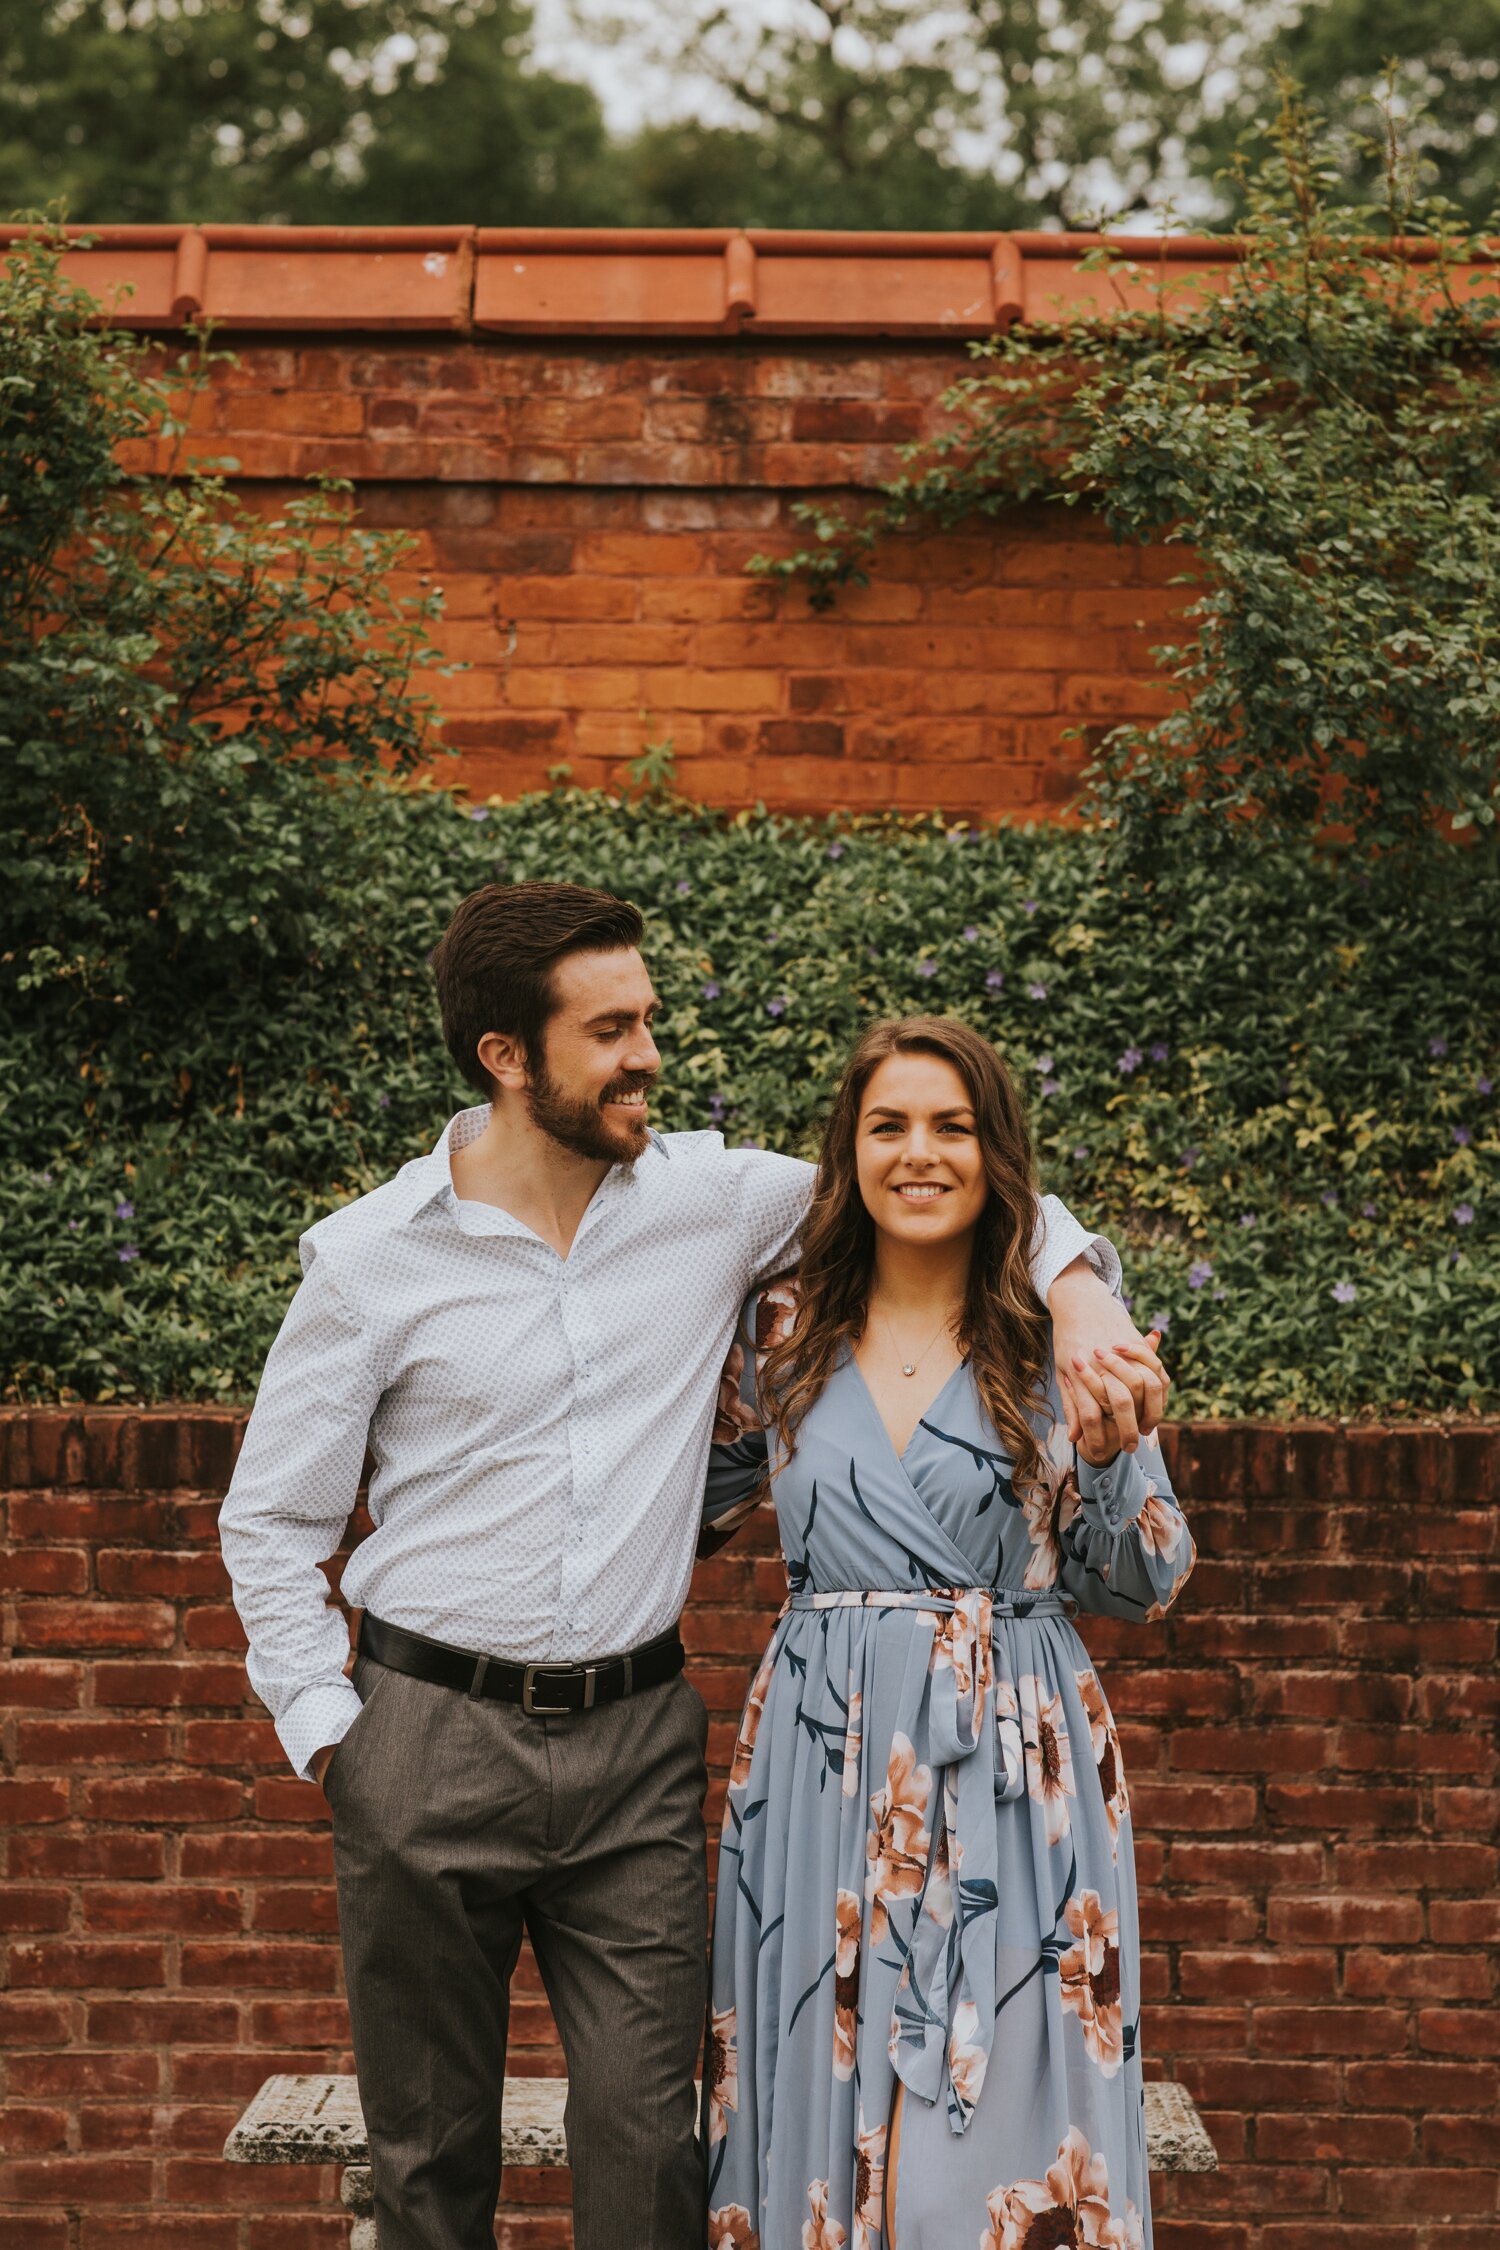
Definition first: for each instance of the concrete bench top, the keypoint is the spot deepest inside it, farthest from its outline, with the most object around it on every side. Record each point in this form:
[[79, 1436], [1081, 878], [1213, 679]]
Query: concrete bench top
[[318, 2121]]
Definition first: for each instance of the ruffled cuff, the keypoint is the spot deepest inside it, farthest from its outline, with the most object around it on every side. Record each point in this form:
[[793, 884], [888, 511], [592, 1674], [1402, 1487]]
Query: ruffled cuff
[[314, 1720], [1113, 1496]]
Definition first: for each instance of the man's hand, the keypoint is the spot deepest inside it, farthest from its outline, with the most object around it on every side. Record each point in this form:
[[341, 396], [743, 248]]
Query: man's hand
[[1113, 1385]]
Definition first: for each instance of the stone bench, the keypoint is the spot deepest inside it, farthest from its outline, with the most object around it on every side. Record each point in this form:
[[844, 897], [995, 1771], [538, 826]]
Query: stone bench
[[317, 2121]]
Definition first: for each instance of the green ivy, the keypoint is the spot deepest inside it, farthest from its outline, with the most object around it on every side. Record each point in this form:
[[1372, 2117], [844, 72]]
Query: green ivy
[[1318, 439], [1276, 1090]]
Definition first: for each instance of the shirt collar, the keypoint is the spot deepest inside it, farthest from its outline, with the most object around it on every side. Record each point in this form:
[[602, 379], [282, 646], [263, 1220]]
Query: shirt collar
[[432, 1175]]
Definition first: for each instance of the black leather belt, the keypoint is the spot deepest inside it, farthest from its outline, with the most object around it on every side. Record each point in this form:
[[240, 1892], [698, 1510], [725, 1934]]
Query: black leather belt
[[544, 1691]]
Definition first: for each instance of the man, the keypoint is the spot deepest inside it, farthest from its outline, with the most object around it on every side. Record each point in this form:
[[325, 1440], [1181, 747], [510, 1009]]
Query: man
[[527, 1327]]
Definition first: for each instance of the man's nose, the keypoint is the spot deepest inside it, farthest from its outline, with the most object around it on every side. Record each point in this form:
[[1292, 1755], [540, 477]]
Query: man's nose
[[644, 1053]]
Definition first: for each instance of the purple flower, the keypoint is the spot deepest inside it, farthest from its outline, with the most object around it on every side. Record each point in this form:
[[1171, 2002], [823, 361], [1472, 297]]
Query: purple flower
[[716, 1105], [684, 888], [711, 989], [44, 1179], [1485, 1085], [1463, 1215], [1130, 1060], [1044, 1063], [1051, 1085], [480, 812], [970, 934], [1160, 1321], [384, 1100], [1036, 992], [994, 980], [1249, 1219], [74, 1225], [1079, 1154], [773, 937], [1329, 1199], [774, 1008], [927, 968], [835, 851], [956, 835], [1189, 1157], [1159, 1050], [750, 1144], [127, 1253], [1126, 1301], [1370, 1210], [1200, 1274], [1461, 1136], [1344, 1292], [1028, 906], [1219, 1295], [1437, 1046], [124, 1210]]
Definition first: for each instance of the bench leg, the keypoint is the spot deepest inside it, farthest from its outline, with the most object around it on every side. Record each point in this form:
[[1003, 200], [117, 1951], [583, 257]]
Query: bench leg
[[357, 2194]]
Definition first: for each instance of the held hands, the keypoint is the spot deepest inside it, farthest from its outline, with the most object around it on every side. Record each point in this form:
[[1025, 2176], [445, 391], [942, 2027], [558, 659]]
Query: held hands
[[1116, 1399], [1114, 1388]]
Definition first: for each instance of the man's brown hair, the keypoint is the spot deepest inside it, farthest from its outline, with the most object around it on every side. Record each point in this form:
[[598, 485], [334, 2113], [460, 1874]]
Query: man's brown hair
[[494, 961]]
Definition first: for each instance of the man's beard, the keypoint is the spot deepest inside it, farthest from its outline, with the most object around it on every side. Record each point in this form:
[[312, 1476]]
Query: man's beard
[[581, 1125]]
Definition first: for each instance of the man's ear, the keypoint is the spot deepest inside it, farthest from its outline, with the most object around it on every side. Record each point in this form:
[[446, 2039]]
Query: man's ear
[[503, 1055]]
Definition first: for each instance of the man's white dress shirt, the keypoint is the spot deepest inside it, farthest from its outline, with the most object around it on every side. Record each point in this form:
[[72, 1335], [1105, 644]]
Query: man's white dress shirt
[[539, 1425]]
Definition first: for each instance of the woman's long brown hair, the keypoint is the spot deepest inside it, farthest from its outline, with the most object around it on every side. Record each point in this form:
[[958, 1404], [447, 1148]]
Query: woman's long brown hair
[[1003, 1331]]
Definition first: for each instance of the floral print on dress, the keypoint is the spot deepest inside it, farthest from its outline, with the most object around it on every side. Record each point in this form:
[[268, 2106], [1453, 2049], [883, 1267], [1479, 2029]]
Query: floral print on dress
[[849, 1918], [755, 1703], [1089, 1979], [729, 2228], [1071, 2205], [852, 1739], [1049, 1754], [898, 1844], [1106, 1745], [926, 1875], [723, 2072], [1049, 1504], [869, 2185], [820, 2232]]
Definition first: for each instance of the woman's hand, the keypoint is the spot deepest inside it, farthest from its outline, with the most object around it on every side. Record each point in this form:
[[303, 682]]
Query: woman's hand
[[1110, 1394], [1091, 1329]]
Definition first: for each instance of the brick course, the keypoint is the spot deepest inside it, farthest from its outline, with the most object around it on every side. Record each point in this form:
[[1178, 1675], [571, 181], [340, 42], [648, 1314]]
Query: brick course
[[588, 507], [1310, 1751]]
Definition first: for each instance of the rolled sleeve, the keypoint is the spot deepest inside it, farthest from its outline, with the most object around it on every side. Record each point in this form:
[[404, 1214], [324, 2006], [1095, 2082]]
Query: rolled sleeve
[[1059, 1239]]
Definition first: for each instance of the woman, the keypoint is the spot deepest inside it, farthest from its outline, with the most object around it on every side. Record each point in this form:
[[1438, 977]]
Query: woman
[[926, 1963]]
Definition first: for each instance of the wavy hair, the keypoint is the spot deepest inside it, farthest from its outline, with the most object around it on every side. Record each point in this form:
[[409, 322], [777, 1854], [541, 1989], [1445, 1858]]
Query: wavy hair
[[1004, 1330]]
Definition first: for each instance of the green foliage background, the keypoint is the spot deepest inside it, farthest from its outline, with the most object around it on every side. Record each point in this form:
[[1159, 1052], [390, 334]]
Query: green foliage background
[[1300, 1132]]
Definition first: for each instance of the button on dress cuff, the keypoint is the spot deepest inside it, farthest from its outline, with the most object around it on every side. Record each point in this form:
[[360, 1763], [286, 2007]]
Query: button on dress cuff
[[1115, 1495], [317, 1717]]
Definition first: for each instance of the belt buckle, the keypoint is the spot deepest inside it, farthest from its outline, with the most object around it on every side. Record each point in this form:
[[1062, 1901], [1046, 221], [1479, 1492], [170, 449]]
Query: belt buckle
[[535, 1710]]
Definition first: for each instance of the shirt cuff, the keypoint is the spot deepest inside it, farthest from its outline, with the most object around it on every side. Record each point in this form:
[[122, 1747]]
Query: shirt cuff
[[1066, 1240], [1115, 1494], [315, 1719]]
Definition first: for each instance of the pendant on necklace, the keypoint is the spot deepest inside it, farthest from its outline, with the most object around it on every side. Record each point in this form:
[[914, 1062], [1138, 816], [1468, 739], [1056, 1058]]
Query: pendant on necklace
[[908, 1370]]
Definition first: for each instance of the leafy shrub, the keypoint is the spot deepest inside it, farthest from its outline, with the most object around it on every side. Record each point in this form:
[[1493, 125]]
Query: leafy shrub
[[1265, 1132]]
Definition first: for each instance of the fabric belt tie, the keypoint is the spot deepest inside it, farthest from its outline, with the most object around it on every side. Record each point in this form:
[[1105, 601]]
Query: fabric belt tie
[[943, 2021]]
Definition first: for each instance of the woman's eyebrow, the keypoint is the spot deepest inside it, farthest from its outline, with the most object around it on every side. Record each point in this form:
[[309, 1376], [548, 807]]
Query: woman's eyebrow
[[941, 1115]]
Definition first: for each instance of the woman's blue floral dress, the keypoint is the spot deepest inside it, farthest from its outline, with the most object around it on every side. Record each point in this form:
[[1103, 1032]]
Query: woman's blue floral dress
[[926, 1870]]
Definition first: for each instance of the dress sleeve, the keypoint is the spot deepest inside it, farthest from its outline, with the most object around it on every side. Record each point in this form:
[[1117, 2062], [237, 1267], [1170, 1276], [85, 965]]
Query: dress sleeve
[[1126, 1550], [738, 1476]]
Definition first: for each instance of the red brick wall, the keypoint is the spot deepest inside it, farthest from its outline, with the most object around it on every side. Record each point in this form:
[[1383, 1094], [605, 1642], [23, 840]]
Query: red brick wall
[[1312, 1773], [589, 507]]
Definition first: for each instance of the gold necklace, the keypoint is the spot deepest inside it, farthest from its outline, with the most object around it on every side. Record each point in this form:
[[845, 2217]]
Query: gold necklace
[[909, 1367]]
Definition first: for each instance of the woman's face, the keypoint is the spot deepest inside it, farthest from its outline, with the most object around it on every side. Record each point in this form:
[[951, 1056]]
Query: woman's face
[[917, 1151]]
